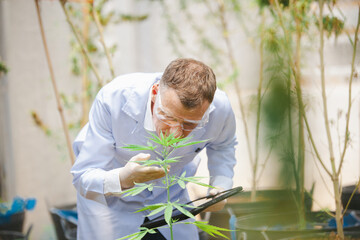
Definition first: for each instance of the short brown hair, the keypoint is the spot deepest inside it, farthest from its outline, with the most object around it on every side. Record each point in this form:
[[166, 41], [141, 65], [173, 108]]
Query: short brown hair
[[192, 80]]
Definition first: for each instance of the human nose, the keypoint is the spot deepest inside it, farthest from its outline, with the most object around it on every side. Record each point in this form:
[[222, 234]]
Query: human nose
[[176, 131]]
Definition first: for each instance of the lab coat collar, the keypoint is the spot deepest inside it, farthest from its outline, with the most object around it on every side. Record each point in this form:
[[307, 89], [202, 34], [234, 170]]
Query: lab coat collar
[[136, 101]]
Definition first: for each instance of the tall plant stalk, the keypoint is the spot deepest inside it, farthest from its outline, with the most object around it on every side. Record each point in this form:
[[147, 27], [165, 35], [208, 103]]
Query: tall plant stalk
[[335, 171], [234, 67], [301, 144], [334, 176], [229, 50], [55, 88], [101, 35], [81, 43], [169, 144], [85, 82], [294, 62]]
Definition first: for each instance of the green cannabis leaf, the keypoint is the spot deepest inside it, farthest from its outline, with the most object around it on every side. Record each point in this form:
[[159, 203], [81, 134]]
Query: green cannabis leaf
[[168, 143]]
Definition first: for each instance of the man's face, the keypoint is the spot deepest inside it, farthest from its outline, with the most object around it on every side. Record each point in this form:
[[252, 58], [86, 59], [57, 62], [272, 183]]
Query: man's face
[[171, 117]]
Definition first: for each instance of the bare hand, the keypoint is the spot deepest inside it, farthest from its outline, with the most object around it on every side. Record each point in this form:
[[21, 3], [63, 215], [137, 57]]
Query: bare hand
[[133, 172], [218, 206]]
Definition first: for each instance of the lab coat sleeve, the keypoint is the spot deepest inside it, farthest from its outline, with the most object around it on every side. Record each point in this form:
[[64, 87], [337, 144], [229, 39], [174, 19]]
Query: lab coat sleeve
[[221, 151], [93, 173]]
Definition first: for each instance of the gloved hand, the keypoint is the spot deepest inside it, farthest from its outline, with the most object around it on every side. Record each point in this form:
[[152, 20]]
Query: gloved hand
[[218, 206], [133, 172]]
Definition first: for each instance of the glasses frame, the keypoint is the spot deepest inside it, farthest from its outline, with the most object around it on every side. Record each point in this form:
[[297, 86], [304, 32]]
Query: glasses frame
[[176, 121]]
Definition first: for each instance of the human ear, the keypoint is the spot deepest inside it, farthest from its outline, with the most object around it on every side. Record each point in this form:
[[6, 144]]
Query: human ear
[[154, 91]]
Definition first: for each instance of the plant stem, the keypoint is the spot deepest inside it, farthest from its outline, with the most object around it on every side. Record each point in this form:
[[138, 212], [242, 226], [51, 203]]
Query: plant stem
[[334, 177], [236, 83], [301, 150], [296, 71], [81, 43], [323, 87], [166, 155], [259, 101], [85, 80], [356, 38], [53, 81], [100, 29], [298, 90]]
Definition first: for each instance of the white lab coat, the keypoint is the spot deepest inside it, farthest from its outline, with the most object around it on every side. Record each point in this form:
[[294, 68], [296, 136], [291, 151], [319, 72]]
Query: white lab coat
[[116, 119]]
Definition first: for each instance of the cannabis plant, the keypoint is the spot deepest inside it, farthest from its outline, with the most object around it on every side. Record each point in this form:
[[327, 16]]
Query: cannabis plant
[[168, 144]]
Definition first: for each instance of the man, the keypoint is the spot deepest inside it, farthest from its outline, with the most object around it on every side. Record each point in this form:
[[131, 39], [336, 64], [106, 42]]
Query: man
[[182, 101]]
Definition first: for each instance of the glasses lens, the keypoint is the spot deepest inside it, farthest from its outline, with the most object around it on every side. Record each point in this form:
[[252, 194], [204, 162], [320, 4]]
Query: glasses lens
[[187, 126], [166, 118]]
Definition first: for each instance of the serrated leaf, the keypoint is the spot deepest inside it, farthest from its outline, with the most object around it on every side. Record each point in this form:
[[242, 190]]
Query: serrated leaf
[[181, 141], [135, 236], [138, 188], [156, 211], [140, 236], [162, 139], [149, 162], [188, 144], [174, 140], [183, 210], [150, 207], [154, 138], [128, 236], [172, 160], [195, 180], [172, 181], [210, 229], [171, 138], [168, 213], [152, 231], [133, 147], [187, 205], [181, 184]]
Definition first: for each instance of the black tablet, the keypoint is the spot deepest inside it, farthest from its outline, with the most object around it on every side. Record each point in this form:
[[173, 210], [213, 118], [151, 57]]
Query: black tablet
[[179, 216]]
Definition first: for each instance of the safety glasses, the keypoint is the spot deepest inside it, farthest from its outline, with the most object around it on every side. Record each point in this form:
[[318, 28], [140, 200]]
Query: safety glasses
[[169, 119]]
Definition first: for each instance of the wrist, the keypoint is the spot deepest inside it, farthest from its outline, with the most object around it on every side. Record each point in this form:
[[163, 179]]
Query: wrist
[[125, 181]]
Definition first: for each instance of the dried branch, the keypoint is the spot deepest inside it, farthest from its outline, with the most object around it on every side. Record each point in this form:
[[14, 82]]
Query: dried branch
[[234, 68], [335, 175], [100, 29], [323, 89], [53, 81], [81, 43], [350, 90], [85, 81]]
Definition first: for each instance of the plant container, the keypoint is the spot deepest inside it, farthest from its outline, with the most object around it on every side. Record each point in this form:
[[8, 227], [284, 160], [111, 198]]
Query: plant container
[[285, 225]]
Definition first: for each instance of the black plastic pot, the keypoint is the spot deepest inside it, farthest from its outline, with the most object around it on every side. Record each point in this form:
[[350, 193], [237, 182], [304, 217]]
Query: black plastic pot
[[284, 225], [355, 201], [14, 235], [64, 228], [14, 222], [11, 235]]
